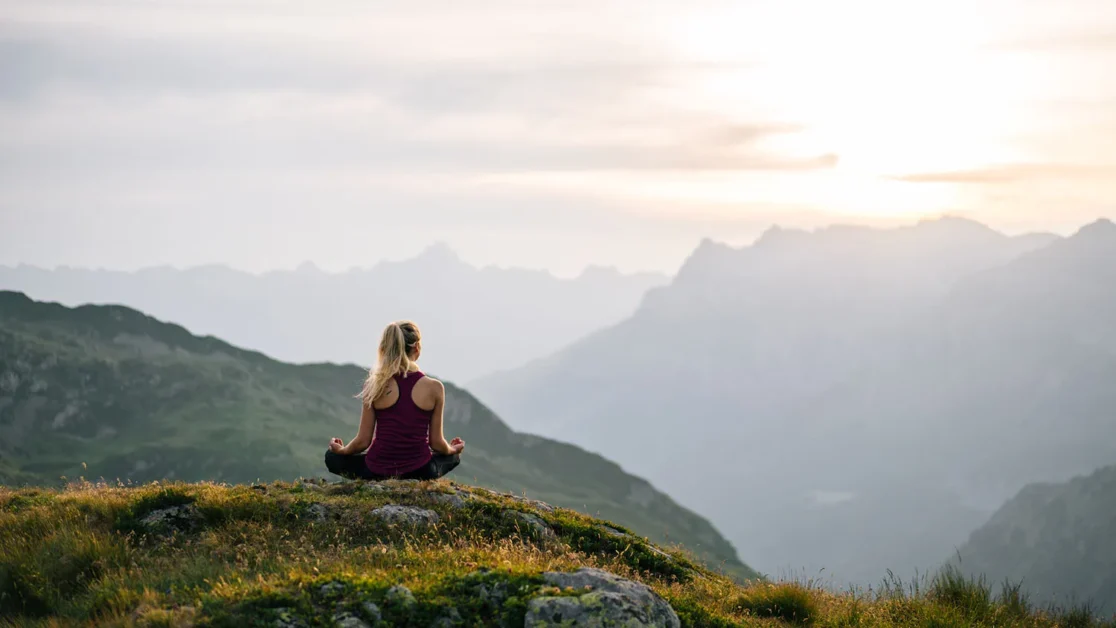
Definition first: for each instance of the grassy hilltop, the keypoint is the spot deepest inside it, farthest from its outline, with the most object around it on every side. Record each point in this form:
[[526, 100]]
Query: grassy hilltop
[[400, 554], [107, 392]]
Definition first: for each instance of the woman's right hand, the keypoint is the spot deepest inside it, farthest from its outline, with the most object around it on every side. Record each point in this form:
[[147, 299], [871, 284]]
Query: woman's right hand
[[336, 445], [457, 445]]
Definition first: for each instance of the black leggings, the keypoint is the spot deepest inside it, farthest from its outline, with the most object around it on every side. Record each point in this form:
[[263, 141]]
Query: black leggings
[[354, 467]]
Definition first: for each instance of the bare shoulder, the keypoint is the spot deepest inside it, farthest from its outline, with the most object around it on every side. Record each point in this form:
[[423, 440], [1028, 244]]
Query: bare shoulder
[[434, 385], [430, 391]]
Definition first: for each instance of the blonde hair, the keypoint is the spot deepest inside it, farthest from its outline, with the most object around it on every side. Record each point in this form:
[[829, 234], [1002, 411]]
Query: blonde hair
[[394, 358]]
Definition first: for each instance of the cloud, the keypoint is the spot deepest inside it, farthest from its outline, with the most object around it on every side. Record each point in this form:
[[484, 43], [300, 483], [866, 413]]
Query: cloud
[[1012, 173], [206, 101]]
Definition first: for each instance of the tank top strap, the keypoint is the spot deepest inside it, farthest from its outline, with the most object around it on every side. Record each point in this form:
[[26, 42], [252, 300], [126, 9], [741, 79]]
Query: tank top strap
[[406, 382]]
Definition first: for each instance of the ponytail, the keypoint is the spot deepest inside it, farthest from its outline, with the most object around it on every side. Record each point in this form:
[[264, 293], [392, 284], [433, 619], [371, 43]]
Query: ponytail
[[396, 344]]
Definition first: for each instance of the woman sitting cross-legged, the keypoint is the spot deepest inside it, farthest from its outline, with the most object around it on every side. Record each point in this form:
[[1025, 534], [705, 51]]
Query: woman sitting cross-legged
[[401, 418]]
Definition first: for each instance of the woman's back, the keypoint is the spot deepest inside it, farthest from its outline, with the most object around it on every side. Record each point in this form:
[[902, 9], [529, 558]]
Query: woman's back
[[400, 418], [402, 436]]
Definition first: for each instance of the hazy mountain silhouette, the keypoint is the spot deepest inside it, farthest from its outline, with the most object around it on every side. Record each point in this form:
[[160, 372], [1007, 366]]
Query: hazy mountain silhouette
[[869, 395], [475, 320], [1058, 540]]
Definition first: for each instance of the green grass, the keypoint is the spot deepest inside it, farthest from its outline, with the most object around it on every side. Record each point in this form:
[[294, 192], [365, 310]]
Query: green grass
[[264, 554], [790, 602], [106, 392]]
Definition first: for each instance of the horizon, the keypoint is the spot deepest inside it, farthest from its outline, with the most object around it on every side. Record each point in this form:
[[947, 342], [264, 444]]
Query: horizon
[[436, 248]]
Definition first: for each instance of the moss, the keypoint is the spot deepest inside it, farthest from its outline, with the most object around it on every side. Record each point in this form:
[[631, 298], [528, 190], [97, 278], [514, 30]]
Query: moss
[[498, 596], [590, 537], [259, 560], [150, 500], [692, 614]]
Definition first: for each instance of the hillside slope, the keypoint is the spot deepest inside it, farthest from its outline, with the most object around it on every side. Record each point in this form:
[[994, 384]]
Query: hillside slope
[[107, 392], [1059, 540], [403, 554], [467, 314]]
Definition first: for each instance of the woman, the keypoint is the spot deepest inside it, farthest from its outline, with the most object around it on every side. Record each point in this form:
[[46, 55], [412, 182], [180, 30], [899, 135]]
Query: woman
[[401, 418]]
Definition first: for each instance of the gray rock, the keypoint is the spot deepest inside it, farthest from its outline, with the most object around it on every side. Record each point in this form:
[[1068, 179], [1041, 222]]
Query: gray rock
[[348, 620], [455, 499], [330, 588], [316, 512], [494, 594], [310, 486], [534, 524], [372, 612], [182, 518], [406, 515], [400, 595], [534, 503], [611, 531], [609, 601]]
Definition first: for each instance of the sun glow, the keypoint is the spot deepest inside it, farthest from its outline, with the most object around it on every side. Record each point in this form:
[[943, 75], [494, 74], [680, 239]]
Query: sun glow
[[892, 88]]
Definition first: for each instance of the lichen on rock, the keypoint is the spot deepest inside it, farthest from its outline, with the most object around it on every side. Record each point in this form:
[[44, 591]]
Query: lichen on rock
[[406, 515], [316, 512], [610, 601], [400, 595], [455, 499], [181, 518], [533, 524]]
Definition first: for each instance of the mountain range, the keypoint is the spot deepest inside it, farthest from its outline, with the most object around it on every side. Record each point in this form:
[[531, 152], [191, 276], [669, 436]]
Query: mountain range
[[1058, 540], [475, 320], [841, 402], [870, 396], [108, 392]]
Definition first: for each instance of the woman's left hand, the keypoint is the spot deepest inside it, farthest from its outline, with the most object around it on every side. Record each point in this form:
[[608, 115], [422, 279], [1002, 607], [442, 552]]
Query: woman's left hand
[[336, 445]]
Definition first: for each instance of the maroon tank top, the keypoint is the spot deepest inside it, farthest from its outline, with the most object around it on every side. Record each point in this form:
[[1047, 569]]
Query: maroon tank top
[[401, 442]]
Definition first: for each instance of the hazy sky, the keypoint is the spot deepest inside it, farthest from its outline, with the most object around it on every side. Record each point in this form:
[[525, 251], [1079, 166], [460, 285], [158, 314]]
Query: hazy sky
[[261, 133]]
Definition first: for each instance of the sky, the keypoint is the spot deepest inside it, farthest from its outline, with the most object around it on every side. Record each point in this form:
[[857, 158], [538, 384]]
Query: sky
[[545, 134]]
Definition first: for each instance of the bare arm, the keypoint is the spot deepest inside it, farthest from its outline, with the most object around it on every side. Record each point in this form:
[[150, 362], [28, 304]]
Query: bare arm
[[437, 438], [364, 434]]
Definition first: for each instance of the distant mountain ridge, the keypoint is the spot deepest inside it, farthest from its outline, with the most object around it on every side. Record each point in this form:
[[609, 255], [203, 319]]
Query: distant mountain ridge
[[1058, 540], [105, 391], [476, 320], [871, 395]]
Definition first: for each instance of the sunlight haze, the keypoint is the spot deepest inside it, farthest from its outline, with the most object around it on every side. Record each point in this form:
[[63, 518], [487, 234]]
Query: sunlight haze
[[548, 135]]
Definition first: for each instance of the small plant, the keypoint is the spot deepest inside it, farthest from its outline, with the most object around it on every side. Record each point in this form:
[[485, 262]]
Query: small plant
[[790, 602], [971, 596], [1014, 602], [1076, 616]]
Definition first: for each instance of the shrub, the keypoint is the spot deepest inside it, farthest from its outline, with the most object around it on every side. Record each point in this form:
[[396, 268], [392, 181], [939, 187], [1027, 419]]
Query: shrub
[[1014, 602], [790, 602], [971, 596]]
